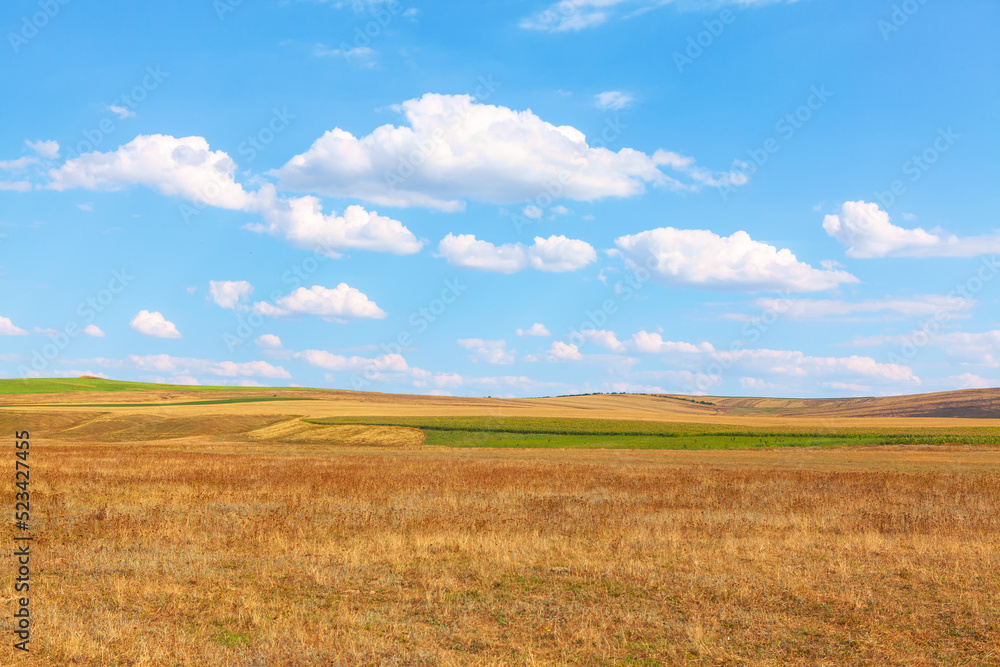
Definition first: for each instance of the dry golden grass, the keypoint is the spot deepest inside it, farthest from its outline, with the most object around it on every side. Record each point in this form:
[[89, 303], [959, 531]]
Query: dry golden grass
[[201, 551], [239, 535], [296, 431]]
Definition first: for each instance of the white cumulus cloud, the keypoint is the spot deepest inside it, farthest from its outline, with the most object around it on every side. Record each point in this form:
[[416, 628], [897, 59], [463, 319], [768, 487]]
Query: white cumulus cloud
[[301, 221], [867, 232], [561, 351], [154, 324], [702, 259], [606, 339], [339, 304], [7, 328], [454, 149], [653, 343], [269, 341], [554, 254], [186, 167], [467, 252], [535, 329], [93, 330], [228, 293], [560, 254], [44, 149]]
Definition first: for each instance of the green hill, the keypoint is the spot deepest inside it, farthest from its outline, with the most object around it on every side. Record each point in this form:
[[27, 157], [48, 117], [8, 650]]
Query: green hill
[[70, 385]]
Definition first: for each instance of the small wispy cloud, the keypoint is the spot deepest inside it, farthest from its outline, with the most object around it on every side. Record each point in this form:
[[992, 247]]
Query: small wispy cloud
[[613, 100], [363, 56], [121, 111]]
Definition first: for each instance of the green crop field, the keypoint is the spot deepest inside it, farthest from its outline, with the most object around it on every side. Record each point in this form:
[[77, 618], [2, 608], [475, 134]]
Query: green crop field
[[453, 438], [601, 433]]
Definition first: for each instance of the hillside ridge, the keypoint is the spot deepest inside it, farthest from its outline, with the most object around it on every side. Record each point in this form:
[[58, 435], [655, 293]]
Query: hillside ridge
[[964, 403]]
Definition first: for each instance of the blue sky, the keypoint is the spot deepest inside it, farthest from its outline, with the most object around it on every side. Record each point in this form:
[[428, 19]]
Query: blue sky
[[503, 198]]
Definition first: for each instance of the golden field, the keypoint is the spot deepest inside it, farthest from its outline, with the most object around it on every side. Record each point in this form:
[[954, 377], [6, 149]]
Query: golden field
[[235, 534]]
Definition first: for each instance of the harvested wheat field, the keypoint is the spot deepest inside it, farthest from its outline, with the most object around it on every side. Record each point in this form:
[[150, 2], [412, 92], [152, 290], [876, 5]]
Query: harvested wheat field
[[241, 534]]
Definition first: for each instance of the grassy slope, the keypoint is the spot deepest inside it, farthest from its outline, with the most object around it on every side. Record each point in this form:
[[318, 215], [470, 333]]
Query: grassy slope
[[217, 401], [68, 385]]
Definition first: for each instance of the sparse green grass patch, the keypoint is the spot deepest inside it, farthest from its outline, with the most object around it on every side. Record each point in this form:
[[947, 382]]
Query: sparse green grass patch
[[231, 639]]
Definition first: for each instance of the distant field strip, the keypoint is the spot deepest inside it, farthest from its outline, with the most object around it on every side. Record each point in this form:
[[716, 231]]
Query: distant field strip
[[218, 401], [600, 433], [58, 386]]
